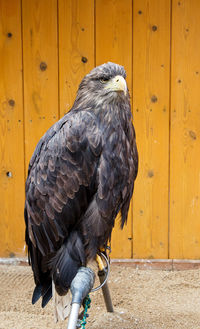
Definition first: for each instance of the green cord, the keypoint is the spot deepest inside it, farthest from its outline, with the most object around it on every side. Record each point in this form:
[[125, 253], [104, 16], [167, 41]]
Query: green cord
[[87, 303]]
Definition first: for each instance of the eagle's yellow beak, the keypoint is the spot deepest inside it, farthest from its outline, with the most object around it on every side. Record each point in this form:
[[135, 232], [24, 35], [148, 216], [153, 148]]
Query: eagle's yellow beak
[[118, 83]]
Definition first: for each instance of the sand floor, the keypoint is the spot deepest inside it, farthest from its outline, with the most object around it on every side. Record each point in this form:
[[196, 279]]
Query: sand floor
[[142, 299]]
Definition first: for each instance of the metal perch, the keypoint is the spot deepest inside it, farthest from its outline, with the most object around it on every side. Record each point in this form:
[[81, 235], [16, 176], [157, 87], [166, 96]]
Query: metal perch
[[103, 276], [81, 286]]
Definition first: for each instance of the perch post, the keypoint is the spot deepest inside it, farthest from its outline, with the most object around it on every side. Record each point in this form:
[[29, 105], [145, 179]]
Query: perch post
[[80, 287]]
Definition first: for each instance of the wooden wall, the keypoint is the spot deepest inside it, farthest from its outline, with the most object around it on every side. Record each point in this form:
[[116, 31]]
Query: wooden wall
[[47, 46]]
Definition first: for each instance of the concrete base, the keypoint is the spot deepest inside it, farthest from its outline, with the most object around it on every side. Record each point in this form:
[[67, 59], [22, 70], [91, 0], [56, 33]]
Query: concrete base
[[159, 264], [142, 264]]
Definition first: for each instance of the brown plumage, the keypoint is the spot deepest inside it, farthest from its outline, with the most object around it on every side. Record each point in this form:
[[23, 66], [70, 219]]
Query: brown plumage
[[80, 177]]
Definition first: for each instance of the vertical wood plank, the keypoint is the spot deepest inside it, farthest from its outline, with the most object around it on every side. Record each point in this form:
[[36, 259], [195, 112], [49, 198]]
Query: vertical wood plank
[[151, 60], [114, 43], [185, 131], [11, 126], [40, 56], [76, 47]]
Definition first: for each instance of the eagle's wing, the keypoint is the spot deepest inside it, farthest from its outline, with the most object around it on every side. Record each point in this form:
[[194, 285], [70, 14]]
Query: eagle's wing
[[61, 180], [117, 170], [79, 178]]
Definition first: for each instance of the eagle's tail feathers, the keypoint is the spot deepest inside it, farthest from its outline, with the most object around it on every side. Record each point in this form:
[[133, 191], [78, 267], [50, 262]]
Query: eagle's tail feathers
[[46, 296], [44, 291], [37, 293], [67, 261]]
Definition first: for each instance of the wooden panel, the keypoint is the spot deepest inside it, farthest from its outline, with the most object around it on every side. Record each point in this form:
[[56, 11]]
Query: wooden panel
[[114, 43], [185, 131], [40, 69], [11, 136], [97, 32], [151, 60], [76, 47]]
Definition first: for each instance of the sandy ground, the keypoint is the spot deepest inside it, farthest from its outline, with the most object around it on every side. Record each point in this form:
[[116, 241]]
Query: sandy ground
[[143, 299]]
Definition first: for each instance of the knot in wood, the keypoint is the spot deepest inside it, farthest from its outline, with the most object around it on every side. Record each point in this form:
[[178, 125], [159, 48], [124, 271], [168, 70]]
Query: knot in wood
[[154, 28], [192, 134], [11, 102], [84, 59], [154, 99], [43, 66], [150, 173]]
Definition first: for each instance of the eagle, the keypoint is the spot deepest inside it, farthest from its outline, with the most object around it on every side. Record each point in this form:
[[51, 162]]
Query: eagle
[[80, 177]]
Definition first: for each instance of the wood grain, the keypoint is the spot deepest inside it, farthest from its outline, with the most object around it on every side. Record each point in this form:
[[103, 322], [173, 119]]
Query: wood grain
[[46, 51], [151, 74], [76, 47], [185, 132], [11, 126], [40, 55]]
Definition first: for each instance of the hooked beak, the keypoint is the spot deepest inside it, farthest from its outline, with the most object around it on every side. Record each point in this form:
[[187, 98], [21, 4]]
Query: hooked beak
[[118, 83]]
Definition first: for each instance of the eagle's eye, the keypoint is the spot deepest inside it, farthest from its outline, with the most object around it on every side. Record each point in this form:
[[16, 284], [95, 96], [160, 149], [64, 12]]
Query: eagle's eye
[[104, 80]]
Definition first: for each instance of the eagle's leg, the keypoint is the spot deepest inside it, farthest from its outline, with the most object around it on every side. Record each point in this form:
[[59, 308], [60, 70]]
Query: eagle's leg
[[99, 262], [102, 275]]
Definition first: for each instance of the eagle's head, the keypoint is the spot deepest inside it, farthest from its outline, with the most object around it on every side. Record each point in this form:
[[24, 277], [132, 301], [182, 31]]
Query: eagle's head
[[104, 84]]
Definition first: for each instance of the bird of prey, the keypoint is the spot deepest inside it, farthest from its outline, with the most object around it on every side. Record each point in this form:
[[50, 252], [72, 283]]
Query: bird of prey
[[80, 177]]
